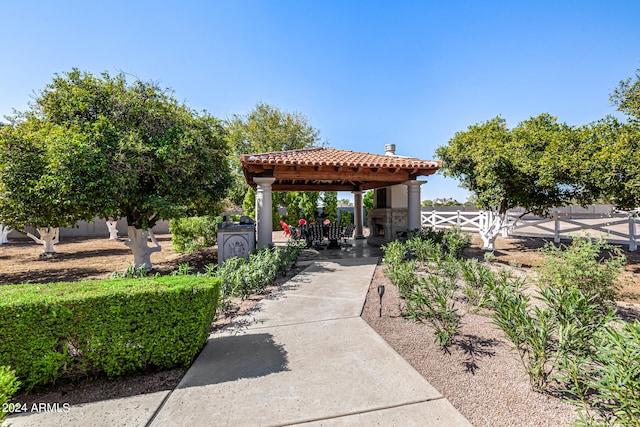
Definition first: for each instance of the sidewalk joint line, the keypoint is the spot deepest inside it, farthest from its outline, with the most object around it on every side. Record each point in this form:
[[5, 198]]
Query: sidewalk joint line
[[365, 411], [246, 329]]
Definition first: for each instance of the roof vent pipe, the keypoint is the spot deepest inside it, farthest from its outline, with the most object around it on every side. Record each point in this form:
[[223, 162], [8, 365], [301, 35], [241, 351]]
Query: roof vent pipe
[[390, 149]]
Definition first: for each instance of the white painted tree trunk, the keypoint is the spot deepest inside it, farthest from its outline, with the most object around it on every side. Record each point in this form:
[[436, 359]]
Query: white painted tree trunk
[[49, 236], [4, 233], [113, 230], [491, 226], [138, 242]]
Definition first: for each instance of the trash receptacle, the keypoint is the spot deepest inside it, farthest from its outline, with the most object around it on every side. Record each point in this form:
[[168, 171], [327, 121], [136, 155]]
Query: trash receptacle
[[235, 240]]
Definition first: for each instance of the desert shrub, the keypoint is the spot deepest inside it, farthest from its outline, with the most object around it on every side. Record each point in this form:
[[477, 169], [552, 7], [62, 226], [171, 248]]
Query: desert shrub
[[113, 326], [242, 277], [605, 383], [581, 265], [455, 241], [428, 234], [489, 257], [193, 233], [562, 327], [424, 250], [432, 301], [132, 272], [8, 386], [477, 279], [403, 276], [395, 252]]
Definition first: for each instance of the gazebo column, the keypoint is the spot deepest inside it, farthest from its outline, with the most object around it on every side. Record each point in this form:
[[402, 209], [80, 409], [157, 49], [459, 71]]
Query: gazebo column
[[413, 206], [264, 212], [357, 214]]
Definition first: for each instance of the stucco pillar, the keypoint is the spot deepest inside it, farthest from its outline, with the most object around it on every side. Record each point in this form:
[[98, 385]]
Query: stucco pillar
[[413, 205], [264, 215], [357, 214]]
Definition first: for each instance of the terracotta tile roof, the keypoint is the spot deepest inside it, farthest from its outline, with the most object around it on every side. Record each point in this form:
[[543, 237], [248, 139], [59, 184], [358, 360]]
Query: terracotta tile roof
[[335, 157]]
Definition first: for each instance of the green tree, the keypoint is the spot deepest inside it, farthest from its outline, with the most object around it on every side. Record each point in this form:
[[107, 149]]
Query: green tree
[[604, 161], [292, 203], [505, 168], [367, 204], [427, 203], [264, 129], [330, 210], [143, 156], [309, 205]]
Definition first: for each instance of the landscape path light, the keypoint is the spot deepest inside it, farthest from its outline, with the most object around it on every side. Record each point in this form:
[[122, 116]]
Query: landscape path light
[[380, 293]]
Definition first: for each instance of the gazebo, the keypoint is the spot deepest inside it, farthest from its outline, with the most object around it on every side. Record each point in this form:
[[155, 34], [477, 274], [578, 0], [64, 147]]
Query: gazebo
[[330, 169]]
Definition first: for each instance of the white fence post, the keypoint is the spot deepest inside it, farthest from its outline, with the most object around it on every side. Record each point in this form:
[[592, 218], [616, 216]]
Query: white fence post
[[633, 245], [458, 218], [556, 227]]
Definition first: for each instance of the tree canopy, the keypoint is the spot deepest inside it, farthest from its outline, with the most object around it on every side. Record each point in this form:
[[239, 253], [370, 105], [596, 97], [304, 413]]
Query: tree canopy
[[108, 148], [264, 129], [506, 168], [100, 146]]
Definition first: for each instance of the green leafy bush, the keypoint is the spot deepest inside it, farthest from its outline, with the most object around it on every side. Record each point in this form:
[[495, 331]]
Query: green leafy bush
[[242, 277], [455, 241], [345, 218], [194, 233], [563, 327], [478, 279], [8, 386], [113, 326], [432, 301], [395, 252], [403, 276], [424, 249], [581, 265], [605, 383]]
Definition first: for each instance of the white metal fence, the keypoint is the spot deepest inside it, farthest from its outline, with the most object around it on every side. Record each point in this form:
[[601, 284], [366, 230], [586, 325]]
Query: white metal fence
[[615, 227]]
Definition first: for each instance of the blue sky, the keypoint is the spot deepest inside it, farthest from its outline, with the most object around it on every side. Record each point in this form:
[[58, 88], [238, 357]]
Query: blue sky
[[366, 73]]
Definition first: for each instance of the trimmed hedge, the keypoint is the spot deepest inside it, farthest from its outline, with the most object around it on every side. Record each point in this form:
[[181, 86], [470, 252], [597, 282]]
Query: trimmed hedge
[[8, 386], [114, 326]]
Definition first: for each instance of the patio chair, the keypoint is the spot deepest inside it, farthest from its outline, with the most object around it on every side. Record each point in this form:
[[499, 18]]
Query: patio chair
[[285, 228], [317, 235], [347, 233], [333, 234]]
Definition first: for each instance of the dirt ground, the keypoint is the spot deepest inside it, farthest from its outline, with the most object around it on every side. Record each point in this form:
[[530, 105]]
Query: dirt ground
[[479, 369]]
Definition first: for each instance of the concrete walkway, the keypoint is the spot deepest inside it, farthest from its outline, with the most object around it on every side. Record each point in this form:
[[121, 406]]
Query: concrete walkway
[[303, 356]]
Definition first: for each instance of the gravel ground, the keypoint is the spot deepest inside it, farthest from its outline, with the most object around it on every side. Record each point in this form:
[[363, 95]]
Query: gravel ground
[[480, 376]]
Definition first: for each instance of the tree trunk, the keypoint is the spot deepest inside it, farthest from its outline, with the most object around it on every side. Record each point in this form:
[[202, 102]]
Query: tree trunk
[[4, 233], [49, 236], [138, 243], [491, 226], [113, 230]]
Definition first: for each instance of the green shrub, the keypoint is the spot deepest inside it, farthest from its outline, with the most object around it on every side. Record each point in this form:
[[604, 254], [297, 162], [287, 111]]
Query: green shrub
[[194, 233], [428, 234], [345, 218], [432, 301], [580, 265], [403, 276], [425, 250], [395, 252], [8, 386], [563, 327], [478, 279], [489, 257], [113, 326], [605, 383], [242, 277], [455, 241]]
